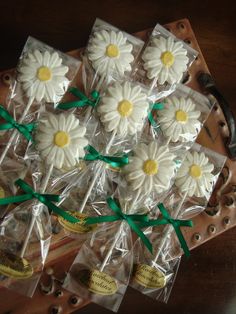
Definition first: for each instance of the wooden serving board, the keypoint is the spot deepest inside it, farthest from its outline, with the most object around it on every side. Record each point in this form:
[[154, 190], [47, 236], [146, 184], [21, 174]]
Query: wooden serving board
[[220, 215]]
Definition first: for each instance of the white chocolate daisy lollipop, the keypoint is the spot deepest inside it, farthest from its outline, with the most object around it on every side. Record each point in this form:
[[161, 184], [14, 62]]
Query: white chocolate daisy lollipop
[[195, 175], [123, 109], [165, 60], [43, 76], [60, 140], [179, 119], [109, 51], [151, 168]]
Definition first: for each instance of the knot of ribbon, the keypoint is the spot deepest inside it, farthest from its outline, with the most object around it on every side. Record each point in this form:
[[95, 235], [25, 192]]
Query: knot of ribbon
[[82, 101], [93, 154], [156, 106], [24, 129], [176, 223], [46, 199]]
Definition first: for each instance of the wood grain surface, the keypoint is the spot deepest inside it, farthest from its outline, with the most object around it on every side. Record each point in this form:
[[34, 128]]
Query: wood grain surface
[[206, 282]]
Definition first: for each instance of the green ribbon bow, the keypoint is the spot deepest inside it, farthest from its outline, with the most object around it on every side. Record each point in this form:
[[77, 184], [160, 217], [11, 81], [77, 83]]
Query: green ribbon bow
[[83, 100], [131, 220], [24, 129], [156, 106], [46, 199], [176, 223], [111, 160]]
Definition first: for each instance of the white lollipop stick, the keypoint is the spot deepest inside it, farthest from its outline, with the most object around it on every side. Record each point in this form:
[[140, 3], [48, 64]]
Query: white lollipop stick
[[168, 229], [87, 115], [168, 141], [14, 134], [37, 212], [90, 109], [99, 170], [154, 81], [118, 235], [101, 81]]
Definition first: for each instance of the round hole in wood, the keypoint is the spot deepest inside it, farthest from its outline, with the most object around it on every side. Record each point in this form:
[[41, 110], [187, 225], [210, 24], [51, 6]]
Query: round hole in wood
[[221, 124], [187, 41], [6, 78], [211, 229], [181, 25], [196, 237], [226, 221]]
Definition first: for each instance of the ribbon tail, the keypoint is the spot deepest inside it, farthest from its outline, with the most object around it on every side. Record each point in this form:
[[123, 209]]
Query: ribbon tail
[[101, 219], [92, 153], [117, 161], [24, 186], [57, 210], [154, 222], [71, 104], [15, 199], [77, 93], [89, 157], [158, 106], [24, 131], [141, 235], [6, 126], [185, 223], [113, 205], [30, 127]]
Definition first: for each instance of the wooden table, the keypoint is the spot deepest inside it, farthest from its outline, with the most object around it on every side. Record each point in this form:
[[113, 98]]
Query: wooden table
[[206, 283]]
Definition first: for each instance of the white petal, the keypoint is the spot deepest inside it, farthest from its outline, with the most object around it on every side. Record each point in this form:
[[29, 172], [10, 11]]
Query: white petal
[[61, 70], [40, 92], [70, 157], [55, 60], [59, 158], [46, 58], [50, 93], [51, 155], [53, 120], [38, 56], [163, 75], [122, 127], [62, 122], [141, 152]]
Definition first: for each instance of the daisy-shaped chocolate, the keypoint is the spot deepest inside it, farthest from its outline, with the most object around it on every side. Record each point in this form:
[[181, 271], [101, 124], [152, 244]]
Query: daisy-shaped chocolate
[[195, 175], [166, 60], [109, 52], [60, 140], [123, 108], [43, 76], [179, 119], [151, 168]]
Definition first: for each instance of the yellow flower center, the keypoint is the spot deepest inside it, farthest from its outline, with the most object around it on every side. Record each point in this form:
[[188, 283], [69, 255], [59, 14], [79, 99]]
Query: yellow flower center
[[112, 51], [125, 108], [167, 58], [44, 74], [195, 171], [150, 167], [61, 139], [181, 116]]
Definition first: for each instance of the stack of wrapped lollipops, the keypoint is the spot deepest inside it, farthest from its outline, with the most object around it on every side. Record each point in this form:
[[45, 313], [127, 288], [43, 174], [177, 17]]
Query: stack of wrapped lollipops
[[112, 164]]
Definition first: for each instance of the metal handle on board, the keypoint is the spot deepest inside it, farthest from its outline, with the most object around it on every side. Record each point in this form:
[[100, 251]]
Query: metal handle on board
[[207, 82]]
